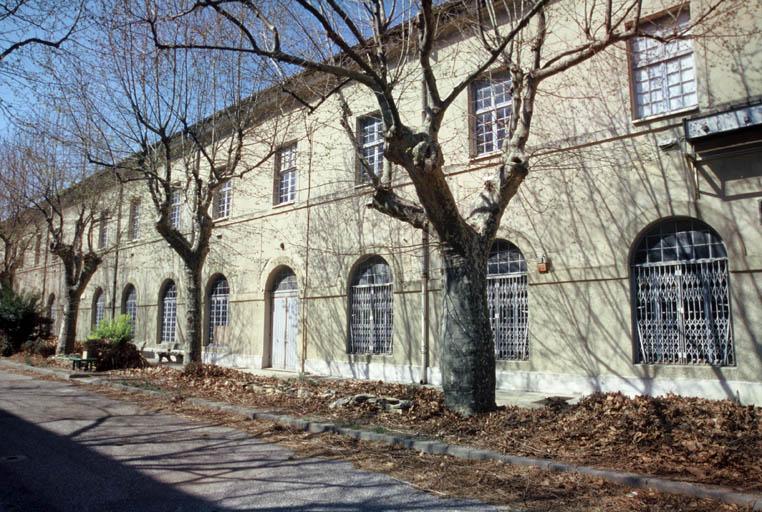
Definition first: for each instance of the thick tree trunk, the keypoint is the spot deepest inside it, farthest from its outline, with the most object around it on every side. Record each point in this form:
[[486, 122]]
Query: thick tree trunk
[[468, 353], [68, 333], [193, 313]]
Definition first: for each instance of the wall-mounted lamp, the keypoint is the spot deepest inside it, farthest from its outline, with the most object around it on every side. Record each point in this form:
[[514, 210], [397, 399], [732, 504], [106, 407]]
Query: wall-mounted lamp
[[543, 266]]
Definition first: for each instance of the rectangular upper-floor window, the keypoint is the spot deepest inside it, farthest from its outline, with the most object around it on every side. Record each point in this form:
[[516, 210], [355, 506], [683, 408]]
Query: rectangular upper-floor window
[[370, 135], [103, 230], [285, 175], [175, 203], [133, 228], [222, 201], [491, 106], [663, 74]]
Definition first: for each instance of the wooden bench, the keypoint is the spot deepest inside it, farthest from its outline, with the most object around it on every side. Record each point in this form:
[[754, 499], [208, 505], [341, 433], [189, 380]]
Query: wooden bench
[[167, 354]]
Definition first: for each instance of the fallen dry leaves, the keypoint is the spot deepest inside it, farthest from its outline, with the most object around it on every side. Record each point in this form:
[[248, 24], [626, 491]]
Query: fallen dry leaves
[[693, 439]]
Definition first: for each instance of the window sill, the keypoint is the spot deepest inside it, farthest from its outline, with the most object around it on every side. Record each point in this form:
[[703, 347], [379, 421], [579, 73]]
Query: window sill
[[486, 157], [284, 204], [664, 116]]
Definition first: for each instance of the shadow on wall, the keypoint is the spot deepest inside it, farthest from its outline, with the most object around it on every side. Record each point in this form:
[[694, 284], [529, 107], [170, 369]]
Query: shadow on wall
[[603, 197]]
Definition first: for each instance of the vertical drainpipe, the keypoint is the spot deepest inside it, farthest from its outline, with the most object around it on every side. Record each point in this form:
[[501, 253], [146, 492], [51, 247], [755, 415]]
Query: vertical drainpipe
[[116, 248], [306, 255], [45, 271], [424, 266], [425, 305]]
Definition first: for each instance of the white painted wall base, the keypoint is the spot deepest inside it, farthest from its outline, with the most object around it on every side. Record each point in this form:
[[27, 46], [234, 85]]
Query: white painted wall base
[[554, 383], [224, 356]]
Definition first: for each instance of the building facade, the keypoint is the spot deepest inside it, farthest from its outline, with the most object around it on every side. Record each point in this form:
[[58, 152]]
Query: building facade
[[630, 260]]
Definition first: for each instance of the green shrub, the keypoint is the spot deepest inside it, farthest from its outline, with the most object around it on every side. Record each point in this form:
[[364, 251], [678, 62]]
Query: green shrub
[[119, 356], [20, 320], [117, 331]]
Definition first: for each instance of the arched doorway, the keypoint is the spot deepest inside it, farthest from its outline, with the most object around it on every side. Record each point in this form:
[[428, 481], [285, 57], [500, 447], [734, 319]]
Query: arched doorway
[[681, 295], [284, 351]]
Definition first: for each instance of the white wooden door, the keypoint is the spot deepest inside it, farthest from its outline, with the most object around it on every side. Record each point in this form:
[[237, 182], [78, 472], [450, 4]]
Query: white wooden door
[[285, 324], [292, 326]]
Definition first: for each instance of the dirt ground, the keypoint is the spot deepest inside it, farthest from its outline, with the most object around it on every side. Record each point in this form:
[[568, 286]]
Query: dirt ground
[[700, 440], [691, 439]]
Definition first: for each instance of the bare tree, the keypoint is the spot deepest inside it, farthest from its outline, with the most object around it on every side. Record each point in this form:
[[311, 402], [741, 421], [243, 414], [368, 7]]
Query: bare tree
[[36, 22], [179, 126], [14, 217], [370, 43], [62, 193]]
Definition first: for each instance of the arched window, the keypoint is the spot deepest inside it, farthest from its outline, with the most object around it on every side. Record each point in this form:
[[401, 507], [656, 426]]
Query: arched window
[[219, 297], [168, 313], [681, 295], [370, 307], [285, 281], [130, 304], [99, 307], [507, 299]]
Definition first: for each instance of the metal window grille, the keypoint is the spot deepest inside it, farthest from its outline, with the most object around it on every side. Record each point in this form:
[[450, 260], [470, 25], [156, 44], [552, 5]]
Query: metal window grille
[[99, 308], [507, 300], [371, 309], [285, 282], [169, 314], [174, 211], [371, 135], [218, 306], [222, 201], [134, 225], [492, 111], [287, 174], [131, 305], [664, 73], [682, 296], [103, 231]]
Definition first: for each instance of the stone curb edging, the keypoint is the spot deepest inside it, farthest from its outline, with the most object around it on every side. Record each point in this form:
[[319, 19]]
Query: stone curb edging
[[635, 480]]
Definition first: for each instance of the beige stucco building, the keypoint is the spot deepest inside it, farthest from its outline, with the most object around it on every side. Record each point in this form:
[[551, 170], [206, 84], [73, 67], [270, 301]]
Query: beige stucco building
[[632, 258]]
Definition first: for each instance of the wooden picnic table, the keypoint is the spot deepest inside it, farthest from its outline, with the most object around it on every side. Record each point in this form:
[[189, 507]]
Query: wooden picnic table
[[79, 363]]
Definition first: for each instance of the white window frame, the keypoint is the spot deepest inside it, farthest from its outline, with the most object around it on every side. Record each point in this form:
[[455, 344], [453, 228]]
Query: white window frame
[[286, 175], [130, 307], [495, 115], [370, 142], [99, 307], [168, 322], [103, 230], [653, 65], [223, 200], [219, 307], [175, 206], [371, 309]]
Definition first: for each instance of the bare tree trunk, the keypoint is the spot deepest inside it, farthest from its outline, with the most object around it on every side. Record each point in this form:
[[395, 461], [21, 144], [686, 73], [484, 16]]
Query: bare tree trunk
[[193, 312], [468, 353], [69, 325]]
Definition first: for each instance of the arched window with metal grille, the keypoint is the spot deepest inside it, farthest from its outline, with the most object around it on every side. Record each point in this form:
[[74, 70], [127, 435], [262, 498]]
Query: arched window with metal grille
[[507, 299], [371, 308], [218, 300], [130, 304], [168, 313], [99, 307], [681, 296]]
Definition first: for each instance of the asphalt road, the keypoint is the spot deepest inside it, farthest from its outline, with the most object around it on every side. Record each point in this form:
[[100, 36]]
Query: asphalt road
[[64, 449]]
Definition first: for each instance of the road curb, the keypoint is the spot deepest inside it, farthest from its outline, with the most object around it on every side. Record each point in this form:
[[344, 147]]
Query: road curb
[[635, 480]]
